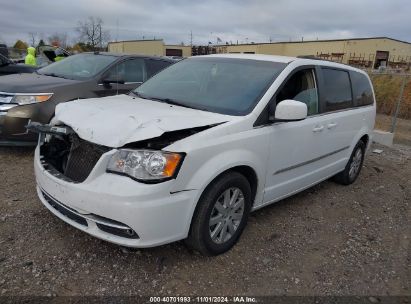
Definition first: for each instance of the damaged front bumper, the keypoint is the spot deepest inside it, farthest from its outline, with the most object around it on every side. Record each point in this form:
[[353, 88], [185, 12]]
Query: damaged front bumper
[[112, 207]]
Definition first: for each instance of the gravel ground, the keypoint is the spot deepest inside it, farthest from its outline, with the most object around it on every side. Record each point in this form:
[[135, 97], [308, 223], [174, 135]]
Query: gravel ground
[[328, 240]]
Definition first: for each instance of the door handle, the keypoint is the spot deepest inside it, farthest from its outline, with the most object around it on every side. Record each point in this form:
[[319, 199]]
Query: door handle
[[318, 129], [331, 125]]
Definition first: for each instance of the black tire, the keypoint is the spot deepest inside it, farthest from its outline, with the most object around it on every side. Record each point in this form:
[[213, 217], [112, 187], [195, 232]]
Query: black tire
[[199, 237], [344, 177]]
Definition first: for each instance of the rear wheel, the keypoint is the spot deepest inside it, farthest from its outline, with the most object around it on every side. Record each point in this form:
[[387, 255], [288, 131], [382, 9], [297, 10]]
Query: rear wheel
[[221, 214], [353, 167]]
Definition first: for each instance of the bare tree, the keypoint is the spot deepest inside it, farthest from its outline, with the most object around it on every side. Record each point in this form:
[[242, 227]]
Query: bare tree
[[92, 33], [33, 38]]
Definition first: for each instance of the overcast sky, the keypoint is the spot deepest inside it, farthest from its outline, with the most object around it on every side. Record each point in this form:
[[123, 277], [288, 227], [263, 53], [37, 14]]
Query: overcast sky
[[230, 20]]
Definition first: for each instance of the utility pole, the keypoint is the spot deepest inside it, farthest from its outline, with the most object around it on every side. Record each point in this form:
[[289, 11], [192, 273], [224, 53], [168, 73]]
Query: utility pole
[[101, 42], [191, 38], [117, 30], [398, 105]]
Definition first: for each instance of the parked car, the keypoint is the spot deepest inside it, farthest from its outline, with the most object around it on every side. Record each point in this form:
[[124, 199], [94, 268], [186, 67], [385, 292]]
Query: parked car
[[46, 54], [33, 97], [194, 149], [7, 67]]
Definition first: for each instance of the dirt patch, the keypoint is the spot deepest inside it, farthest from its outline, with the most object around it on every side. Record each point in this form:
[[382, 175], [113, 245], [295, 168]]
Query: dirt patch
[[328, 240]]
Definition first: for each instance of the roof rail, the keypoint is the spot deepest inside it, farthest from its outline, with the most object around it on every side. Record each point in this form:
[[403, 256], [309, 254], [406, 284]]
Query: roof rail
[[312, 57]]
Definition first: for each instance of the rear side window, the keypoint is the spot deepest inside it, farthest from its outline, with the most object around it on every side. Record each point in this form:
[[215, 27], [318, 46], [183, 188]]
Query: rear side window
[[337, 90], [362, 89], [130, 71], [155, 66]]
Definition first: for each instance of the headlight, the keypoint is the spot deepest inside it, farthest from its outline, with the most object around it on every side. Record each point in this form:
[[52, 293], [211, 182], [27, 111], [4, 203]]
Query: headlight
[[145, 165], [28, 99]]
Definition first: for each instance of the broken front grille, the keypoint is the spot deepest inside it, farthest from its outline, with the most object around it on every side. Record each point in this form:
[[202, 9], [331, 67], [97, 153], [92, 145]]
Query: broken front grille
[[70, 157], [82, 158]]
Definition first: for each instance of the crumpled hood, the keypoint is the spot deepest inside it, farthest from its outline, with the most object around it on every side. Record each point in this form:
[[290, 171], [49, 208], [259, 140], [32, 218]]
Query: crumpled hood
[[117, 120]]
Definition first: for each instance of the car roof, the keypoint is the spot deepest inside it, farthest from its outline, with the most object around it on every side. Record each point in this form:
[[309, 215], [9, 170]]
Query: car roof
[[274, 58], [286, 59], [125, 55]]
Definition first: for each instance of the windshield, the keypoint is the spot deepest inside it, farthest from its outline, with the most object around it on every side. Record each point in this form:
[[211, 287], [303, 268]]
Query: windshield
[[223, 85], [78, 67]]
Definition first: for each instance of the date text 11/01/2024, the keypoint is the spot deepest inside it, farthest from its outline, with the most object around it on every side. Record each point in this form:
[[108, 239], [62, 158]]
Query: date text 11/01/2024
[[205, 299]]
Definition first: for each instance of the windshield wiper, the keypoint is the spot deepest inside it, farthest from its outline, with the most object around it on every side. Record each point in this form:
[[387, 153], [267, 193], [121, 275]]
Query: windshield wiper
[[137, 94], [172, 102], [54, 75], [165, 100]]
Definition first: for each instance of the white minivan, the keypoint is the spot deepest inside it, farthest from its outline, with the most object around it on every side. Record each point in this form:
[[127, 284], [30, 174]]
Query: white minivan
[[192, 151]]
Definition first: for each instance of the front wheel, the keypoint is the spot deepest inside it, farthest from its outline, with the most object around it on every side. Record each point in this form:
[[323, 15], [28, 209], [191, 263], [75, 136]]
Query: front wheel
[[221, 214], [353, 167]]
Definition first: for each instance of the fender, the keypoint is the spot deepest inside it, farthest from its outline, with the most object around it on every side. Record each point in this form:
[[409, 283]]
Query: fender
[[361, 133], [221, 163]]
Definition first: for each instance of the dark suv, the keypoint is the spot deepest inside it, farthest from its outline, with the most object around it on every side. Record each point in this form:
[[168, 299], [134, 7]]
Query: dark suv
[[33, 97]]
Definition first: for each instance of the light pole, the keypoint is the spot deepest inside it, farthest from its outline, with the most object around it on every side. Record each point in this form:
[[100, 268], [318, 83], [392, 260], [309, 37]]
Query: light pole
[[101, 42]]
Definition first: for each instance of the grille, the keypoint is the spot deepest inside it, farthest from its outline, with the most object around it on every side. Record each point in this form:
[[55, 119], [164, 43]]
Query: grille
[[104, 224], [69, 157], [82, 158], [5, 98], [64, 210]]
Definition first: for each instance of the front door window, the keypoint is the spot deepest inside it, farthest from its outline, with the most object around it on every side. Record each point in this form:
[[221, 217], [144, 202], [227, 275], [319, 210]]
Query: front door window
[[301, 87]]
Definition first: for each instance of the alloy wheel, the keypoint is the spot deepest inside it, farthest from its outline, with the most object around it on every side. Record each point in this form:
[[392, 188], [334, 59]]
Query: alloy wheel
[[226, 215], [355, 164]]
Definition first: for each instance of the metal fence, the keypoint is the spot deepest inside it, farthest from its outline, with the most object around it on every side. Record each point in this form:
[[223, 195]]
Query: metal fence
[[393, 95]]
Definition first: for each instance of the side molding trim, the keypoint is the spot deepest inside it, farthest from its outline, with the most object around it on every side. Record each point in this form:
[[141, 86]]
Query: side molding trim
[[310, 161]]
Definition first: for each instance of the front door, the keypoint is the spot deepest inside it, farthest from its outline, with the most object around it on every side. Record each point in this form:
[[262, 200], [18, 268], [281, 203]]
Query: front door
[[298, 150], [132, 72]]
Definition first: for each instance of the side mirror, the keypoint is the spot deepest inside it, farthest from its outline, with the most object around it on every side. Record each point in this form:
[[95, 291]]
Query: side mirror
[[289, 110], [108, 81]]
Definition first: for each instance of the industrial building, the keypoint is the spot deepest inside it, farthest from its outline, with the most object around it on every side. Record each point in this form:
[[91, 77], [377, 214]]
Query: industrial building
[[154, 47], [362, 52]]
